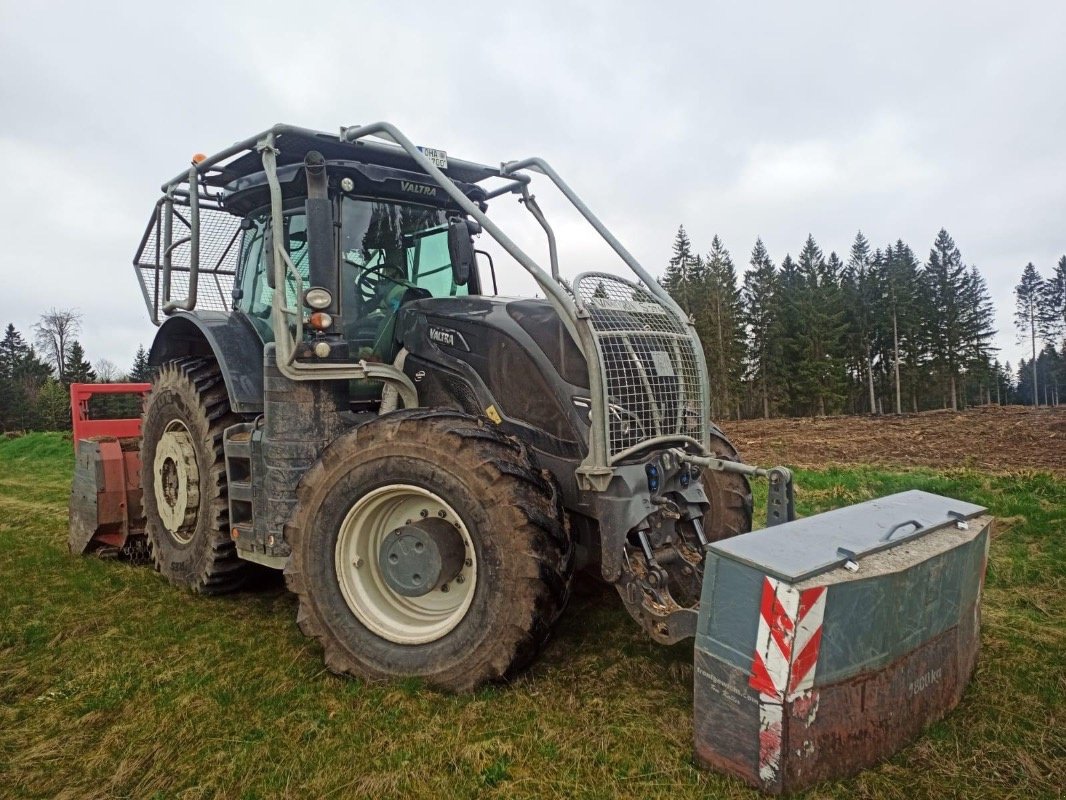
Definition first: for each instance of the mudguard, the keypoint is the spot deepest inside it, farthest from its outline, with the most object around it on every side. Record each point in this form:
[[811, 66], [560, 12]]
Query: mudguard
[[230, 339], [824, 644]]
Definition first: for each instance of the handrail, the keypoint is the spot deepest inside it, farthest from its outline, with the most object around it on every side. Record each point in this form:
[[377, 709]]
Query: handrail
[[543, 167], [189, 303]]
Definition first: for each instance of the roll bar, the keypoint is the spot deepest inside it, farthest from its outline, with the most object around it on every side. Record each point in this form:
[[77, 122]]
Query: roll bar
[[595, 470]]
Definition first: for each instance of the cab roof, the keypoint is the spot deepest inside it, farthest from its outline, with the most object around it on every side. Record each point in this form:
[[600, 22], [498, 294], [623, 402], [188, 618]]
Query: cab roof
[[294, 143]]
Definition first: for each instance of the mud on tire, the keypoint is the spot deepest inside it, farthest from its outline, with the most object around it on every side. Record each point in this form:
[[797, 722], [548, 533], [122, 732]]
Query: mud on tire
[[184, 418], [729, 494], [511, 510]]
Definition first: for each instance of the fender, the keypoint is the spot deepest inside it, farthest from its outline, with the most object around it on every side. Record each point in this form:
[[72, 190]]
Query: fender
[[230, 339]]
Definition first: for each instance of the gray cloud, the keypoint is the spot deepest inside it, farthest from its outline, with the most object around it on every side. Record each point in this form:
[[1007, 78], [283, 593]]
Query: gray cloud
[[768, 119]]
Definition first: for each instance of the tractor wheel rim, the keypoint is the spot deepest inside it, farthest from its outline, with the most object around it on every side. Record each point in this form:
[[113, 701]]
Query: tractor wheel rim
[[387, 613], [177, 482]]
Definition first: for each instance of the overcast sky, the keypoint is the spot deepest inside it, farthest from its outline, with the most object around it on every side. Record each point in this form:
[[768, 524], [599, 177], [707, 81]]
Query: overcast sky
[[741, 119]]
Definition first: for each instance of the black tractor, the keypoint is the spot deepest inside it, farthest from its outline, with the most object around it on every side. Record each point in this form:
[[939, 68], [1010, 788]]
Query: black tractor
[[342, 394], [340, 397]]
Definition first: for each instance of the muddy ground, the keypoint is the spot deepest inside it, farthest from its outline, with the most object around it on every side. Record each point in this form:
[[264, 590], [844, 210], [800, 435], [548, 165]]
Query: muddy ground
[[999, 438]]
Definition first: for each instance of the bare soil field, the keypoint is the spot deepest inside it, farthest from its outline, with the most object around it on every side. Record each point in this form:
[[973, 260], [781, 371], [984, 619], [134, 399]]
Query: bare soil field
[[997, 438]]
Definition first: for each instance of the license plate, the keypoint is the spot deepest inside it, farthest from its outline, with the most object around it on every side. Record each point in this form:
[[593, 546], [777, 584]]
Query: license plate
[[437, 158]]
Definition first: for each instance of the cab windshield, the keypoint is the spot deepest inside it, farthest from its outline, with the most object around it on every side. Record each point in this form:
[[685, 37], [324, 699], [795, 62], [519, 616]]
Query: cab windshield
[[390, 254]]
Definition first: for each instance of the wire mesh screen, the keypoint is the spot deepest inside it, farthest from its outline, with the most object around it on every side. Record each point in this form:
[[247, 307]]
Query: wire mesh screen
[[649, 362], [220, 239]]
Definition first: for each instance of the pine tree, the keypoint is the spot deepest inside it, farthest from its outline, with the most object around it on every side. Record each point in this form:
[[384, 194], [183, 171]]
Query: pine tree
[[1055, 381], [944, 281], [861, 292], [905, 327], [21, 375], [820, 368], [13, 403], [142, 371], [760, 314], [788, 331], [1027, 311], [13, 349], [1041, 383], [723, 326], [1053, 305], [77, 369], [1011, 396], [978, 327], [678, 278], [1001, 378]]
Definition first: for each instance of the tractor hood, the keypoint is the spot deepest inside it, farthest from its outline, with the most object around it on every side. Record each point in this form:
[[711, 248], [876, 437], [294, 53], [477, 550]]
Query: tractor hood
[[511, 360]]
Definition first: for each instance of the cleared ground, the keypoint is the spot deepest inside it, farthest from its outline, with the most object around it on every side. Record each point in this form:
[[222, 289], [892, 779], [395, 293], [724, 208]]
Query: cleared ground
[[987, 437], [113, 684]]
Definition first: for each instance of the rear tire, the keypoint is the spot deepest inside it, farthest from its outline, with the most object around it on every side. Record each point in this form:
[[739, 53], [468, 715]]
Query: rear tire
[[427, 464], [183, 475]]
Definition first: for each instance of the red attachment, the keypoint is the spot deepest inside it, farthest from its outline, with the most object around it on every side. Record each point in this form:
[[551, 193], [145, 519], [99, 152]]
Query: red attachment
[[85, 428]]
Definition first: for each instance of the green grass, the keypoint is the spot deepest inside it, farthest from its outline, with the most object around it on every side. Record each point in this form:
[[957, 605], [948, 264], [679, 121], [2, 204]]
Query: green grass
[[114, 684]]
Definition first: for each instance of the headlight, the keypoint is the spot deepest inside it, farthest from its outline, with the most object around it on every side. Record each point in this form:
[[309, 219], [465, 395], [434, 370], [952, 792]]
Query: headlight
[[318, 297]]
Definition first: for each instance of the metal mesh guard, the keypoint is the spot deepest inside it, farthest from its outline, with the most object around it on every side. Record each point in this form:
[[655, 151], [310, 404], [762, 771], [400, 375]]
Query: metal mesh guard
[[219, 253], [649, 362]]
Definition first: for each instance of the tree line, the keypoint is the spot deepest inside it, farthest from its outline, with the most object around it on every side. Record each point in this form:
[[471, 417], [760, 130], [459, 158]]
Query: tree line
[[881, 331], [878, 331], [1040, 315], [35, 376]]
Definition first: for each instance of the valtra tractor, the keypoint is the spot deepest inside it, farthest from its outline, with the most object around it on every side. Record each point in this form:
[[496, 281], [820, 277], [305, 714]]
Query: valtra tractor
[[341, 395]]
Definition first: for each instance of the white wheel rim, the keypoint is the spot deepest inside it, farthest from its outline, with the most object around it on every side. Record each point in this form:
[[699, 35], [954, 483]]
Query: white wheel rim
[[177, 481], [390, 615]]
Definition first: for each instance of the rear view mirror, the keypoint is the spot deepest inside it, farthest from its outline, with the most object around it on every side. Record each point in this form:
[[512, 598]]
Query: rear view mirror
[[460, 251]]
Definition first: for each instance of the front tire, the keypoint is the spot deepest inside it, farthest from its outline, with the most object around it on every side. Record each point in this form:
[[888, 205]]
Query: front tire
[[183, 475], [729, 494], [452, 476]]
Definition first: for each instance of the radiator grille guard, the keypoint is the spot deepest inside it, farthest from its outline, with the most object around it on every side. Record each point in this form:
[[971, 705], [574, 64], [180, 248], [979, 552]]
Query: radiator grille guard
[[651, 366]]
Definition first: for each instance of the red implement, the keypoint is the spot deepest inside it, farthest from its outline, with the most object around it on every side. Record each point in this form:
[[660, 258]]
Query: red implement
[[105, 495]]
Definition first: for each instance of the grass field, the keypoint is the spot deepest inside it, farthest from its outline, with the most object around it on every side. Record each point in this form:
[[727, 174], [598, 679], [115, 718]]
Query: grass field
[[113, 684]]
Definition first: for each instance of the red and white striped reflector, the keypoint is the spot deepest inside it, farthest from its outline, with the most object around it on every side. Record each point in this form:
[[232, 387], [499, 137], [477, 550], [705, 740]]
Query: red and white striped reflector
[[786, 655]]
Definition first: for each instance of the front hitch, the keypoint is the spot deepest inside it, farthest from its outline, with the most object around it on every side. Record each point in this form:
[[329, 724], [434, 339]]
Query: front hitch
[[660, 574], [780, 497]]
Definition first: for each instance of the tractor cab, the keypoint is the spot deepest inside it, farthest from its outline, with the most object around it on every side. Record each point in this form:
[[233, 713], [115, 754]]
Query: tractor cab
[[390, 254], [389, 234]]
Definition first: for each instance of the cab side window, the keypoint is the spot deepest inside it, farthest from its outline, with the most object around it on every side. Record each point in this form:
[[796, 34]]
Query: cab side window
[[430, 267], [257, 295]]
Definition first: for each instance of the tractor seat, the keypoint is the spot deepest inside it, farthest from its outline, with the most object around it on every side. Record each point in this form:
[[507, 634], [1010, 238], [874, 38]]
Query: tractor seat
[[377, 331], [375, 338]]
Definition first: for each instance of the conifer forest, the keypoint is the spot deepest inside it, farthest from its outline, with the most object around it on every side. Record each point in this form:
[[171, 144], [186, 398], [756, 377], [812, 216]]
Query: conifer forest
[[879, 330]]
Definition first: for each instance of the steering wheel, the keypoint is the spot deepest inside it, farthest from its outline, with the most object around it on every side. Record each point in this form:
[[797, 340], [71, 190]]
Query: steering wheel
[[369, 281], [368, 285]]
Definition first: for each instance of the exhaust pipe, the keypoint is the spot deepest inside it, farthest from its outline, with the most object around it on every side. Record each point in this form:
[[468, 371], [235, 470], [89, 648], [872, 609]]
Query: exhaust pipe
[[323, 270]]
